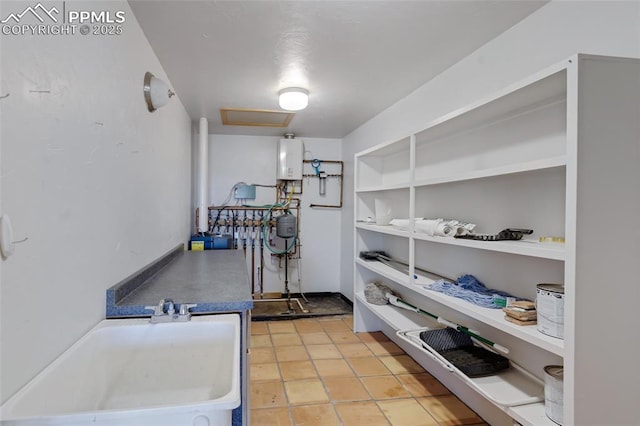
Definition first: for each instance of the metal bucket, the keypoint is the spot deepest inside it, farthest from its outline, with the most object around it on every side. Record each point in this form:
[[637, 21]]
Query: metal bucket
[[550, 307], [553, 394]]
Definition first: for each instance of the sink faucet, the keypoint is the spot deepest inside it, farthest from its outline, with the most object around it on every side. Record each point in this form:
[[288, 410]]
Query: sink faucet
[[170, 307], [165, 311]]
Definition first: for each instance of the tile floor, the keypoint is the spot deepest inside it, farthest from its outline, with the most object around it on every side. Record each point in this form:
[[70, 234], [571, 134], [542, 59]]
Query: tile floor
[[318, 372]]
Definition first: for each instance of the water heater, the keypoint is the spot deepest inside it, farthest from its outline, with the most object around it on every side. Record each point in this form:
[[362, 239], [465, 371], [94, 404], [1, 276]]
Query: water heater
[[290, 152]]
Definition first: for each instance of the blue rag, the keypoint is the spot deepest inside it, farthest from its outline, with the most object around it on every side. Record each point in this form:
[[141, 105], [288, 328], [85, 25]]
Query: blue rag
[[467, 287]]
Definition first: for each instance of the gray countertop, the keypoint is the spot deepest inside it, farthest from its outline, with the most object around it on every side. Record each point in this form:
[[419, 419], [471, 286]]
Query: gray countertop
[[215, 280]]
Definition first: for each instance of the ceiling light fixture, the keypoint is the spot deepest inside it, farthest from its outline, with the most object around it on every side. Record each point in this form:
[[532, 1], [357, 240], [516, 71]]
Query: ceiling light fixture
[[156, 92], [293, 98]]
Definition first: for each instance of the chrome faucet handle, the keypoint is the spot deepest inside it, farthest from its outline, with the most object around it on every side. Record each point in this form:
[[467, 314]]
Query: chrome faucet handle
[[157, 309], [170, 309], [184, 308]]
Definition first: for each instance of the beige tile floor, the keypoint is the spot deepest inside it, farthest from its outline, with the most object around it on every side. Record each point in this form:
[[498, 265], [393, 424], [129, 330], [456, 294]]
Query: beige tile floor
[[318, 372]]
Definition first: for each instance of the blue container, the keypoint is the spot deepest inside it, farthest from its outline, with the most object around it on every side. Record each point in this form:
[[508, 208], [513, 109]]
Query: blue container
[[210, 242]]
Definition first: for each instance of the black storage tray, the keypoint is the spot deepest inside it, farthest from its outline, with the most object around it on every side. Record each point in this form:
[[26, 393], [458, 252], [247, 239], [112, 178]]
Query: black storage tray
[[459, 350], [509, 387]]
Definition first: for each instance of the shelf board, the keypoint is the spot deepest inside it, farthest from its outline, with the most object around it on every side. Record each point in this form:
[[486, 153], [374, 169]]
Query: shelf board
[[530, 415], [499, 388], [527, 166], [385, 271], [397, 319], [491, 317], [553, 251], [508, 388], [386, 149], [541, 89], [386, 229], [384, 187], [525, 247]]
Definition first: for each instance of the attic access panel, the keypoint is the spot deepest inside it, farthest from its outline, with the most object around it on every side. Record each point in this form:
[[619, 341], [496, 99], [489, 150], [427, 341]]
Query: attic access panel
[[255, 117]]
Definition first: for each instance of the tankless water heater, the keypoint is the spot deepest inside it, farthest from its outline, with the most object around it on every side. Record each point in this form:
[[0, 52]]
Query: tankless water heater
[[290, 152]]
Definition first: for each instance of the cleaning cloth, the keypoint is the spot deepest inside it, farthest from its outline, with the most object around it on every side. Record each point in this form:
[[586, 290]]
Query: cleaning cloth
[[375, 293], [467, 287]]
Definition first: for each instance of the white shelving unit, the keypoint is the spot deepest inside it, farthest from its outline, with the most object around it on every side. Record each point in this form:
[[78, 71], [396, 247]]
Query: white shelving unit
[[556, 153], [524, 247], [492, 317], [390, 230]]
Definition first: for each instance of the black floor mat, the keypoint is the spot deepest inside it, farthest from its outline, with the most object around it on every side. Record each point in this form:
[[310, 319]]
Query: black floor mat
[[317, 305], [459, 350]]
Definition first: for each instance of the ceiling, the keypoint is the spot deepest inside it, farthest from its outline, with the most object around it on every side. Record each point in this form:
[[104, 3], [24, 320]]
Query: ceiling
[[356, 58]]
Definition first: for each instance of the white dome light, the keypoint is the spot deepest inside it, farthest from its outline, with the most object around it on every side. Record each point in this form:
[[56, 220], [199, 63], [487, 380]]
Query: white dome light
[[156, 92], [294, 98]]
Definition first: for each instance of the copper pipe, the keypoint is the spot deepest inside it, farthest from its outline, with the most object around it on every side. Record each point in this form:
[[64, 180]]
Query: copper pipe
[[325, 161], [244, 234], [261, 265], [253, 254], [329, 206], [250, 208], [340, 175]]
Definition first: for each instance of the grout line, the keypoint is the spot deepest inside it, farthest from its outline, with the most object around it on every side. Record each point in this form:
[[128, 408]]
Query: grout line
[[324, 385], [333, 402]]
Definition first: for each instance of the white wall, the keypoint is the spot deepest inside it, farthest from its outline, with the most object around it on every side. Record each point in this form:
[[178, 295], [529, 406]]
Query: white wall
[[252, 159], [551, 34], [99, 185]]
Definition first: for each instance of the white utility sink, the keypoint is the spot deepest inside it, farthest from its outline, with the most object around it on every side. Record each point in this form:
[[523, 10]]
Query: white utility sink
[[130, 372]]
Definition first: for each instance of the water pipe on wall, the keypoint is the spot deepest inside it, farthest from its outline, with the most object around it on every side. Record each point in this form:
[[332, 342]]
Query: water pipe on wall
[[203, 176], [322, 176]]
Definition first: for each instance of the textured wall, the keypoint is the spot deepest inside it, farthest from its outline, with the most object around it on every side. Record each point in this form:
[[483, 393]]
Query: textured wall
[[100, 186], [252, 159]]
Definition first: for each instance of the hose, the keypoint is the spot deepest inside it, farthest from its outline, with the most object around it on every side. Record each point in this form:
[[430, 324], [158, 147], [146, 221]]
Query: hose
[[266, 220]]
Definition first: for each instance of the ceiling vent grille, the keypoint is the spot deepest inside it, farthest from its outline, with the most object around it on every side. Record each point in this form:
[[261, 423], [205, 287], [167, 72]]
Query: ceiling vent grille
[[255, 117]]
